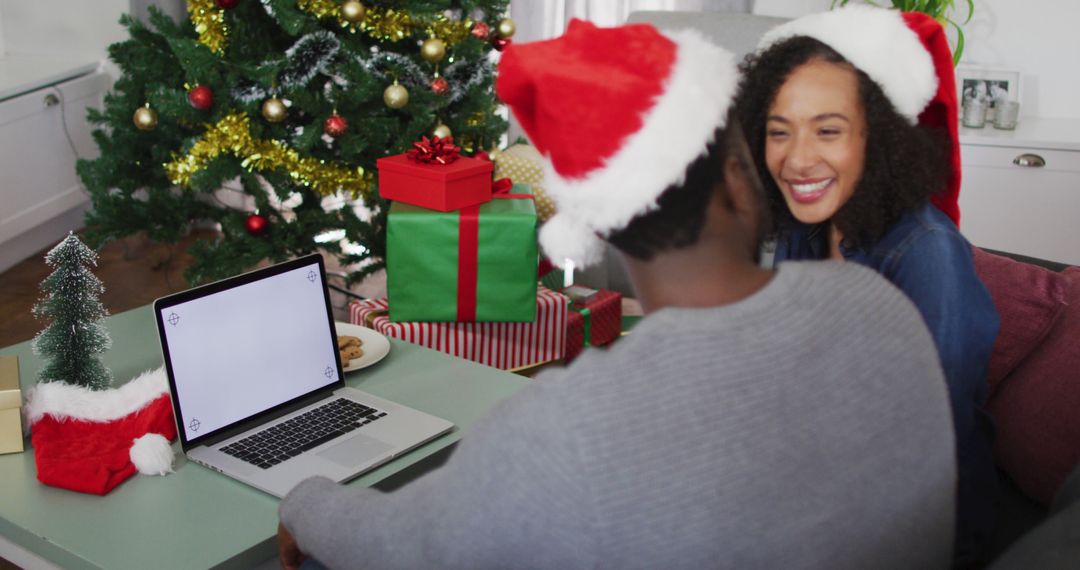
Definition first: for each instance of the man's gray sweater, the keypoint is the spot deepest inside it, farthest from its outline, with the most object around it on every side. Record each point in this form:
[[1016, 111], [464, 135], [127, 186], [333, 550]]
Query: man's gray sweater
[[806, 426]]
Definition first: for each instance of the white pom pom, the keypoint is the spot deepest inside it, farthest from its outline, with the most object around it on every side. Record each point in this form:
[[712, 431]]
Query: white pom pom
[[152, 454], [563, 237]]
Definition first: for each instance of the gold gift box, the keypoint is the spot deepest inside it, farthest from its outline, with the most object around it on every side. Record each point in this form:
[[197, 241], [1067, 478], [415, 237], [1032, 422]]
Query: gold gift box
[[11, 434]]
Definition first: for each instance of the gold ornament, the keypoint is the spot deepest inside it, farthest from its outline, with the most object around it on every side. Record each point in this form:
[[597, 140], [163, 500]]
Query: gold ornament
[[232, 135], [145, 118], [442, 131], [352, 11], [396, 96], [433, 50], [209, 22], [274, 110], [505, 28]]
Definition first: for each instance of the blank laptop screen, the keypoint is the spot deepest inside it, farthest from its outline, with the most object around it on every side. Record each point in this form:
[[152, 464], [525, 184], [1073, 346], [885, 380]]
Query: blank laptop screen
[[244, 350]]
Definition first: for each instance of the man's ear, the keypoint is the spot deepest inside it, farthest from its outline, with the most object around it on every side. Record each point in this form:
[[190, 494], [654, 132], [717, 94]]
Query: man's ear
[[739, 188]]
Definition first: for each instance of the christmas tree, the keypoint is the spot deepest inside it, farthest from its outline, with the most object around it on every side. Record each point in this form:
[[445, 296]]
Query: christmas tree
[[265, 119], [76, 336]]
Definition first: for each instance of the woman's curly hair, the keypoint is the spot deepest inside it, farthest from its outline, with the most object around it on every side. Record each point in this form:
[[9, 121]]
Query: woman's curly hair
[[905, 164]]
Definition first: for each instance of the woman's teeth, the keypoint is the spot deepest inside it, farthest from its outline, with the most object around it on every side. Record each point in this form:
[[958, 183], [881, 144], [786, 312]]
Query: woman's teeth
[[810, 188]]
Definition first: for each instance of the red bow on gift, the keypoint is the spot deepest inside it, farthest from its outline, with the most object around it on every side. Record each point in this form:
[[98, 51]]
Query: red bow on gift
[[434, 150], [502, 186]]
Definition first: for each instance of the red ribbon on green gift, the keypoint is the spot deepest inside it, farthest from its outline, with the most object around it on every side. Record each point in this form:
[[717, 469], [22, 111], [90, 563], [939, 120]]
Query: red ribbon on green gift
[[469, 248]]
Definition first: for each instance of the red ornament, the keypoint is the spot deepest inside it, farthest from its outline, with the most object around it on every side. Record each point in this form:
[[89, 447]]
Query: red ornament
[[335, 125], [480, 30], [440, 86], [256, 224], [227, 4], [500, 43], [201, 97]]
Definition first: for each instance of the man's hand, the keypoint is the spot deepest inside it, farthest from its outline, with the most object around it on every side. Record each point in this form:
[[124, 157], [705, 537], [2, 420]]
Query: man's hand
[[288, 551]]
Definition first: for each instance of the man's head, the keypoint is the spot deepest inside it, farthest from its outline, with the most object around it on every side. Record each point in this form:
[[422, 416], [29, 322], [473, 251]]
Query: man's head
[[632, 124]]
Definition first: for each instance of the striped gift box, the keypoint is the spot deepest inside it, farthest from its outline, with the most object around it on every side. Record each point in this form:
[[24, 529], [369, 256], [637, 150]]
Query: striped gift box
[[508, 346]]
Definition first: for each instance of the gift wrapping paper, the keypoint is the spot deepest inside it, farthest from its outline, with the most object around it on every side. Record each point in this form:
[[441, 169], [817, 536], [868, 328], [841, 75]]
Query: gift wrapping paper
[[11, 432], [501, 345], [595, 322], [523, 164], [442, 187], [476, 264]]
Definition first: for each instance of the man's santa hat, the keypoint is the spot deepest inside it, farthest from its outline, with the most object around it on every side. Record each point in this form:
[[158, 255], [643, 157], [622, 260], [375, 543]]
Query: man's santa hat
[[907, 54], [619, 114], [92, 440]]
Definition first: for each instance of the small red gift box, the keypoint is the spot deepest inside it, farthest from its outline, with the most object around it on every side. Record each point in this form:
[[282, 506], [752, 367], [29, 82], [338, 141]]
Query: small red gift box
[[443, 187], [595, 318]]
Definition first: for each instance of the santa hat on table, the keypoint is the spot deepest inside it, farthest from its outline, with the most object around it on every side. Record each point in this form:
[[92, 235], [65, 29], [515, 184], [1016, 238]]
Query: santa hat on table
[[907, 54], [619, 114], [92, 440]]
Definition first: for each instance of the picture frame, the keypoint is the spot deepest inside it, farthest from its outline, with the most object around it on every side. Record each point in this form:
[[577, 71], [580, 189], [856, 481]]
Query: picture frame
[[989, 85]]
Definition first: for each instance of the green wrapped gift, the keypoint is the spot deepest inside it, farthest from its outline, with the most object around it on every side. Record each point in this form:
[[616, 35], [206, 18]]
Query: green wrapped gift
[[474, 264]]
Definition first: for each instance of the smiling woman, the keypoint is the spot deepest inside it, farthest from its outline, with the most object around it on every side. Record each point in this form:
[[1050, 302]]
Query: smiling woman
[[815, 139], [844, 113]]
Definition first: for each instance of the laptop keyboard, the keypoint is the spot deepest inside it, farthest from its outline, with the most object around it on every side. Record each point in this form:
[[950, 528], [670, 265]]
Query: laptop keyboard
[[296, 435]]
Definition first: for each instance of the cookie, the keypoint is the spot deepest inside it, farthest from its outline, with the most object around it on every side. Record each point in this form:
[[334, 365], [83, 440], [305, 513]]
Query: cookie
[[344, 340], [350, 352]]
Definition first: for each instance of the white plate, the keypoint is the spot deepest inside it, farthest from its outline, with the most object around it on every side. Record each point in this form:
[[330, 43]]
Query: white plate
[[375, 345]]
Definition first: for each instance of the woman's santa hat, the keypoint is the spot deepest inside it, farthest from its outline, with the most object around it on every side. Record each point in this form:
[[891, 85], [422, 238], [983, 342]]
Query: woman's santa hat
[[907, 54], [619, 114], [92, 440]]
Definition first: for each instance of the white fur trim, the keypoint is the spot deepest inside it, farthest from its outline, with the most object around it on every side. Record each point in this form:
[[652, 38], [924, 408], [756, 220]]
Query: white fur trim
[[877, 41], [152, 454], [564, 237], [67, 401], [693, 104]]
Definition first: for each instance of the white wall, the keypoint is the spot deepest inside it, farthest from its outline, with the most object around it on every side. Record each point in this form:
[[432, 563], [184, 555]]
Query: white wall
[[61, 26], [1036, 37]]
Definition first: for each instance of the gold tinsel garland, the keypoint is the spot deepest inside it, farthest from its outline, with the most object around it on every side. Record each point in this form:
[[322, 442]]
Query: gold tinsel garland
[[232, 135], [385, 24], [209, 21]]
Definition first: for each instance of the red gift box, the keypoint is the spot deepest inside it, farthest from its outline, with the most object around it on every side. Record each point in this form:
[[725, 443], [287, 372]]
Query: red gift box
[[508, 346], [595, 320], [443, 187]]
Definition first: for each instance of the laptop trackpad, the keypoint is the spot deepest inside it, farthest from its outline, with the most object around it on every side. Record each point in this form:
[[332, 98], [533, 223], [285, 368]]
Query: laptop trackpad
[[356, 450]]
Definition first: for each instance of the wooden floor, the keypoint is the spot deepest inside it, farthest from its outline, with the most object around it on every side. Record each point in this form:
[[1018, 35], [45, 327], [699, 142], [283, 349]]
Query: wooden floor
[[135, 271]]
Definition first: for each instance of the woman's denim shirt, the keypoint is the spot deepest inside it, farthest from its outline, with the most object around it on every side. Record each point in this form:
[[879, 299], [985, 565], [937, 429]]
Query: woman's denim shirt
[[925, 256]]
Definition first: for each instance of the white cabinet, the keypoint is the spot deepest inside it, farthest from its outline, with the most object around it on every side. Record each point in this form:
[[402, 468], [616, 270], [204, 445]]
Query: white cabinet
[[43, 105], [1021, 189]]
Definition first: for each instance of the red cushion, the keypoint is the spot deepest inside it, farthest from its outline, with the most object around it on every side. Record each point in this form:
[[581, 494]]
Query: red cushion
[[1038, 408], [1029, 300]]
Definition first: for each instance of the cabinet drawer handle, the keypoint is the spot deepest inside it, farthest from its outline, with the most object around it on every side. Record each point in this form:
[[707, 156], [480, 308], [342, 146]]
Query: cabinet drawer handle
[[1028, 159]]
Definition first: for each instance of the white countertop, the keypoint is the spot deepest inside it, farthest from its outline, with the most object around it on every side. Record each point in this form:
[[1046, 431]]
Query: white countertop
[[24, 73], [1031, 132]]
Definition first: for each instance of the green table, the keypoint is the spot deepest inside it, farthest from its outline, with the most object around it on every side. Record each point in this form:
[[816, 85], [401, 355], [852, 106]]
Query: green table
[[195, 518]]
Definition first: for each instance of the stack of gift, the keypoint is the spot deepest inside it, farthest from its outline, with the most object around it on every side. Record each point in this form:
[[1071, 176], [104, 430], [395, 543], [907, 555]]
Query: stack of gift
[[461, 259]]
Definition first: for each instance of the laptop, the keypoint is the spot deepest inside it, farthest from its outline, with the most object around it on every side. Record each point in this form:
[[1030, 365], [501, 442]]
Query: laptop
[[258, 389]]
